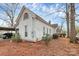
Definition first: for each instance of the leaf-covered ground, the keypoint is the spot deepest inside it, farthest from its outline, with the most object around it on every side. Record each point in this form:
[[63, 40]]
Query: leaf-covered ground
[[58, 47]]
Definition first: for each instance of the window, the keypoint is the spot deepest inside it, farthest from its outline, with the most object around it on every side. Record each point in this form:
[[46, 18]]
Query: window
[[43, 30], [47, 30], [25, 31], [17, 30], [33, 34], [25, 16], [50, 31]]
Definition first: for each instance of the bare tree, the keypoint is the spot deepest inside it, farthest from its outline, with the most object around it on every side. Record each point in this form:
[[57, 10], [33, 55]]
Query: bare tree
[[67, 19], [72, 22], [9, 10]]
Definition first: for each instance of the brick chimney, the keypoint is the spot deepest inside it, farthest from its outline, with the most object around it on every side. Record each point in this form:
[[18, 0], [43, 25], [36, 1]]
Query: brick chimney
[[49, 22]]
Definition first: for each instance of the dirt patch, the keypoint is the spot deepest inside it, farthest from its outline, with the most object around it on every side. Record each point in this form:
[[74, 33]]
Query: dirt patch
[[57, 47]]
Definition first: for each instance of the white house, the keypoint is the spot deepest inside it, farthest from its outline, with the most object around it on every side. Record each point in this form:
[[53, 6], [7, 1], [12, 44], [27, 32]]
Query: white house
[[32, 27]]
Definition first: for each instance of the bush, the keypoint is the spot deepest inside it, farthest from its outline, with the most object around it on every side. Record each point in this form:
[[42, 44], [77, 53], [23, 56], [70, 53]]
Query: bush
[[46, 38], [63, 34], [55, 36], [73, 41], [16, 38], [0, 35], [60, 35]]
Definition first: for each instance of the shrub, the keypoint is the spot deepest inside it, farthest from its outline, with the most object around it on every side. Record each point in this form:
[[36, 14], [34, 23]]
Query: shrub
[[16, 38], [73, 41], [55, 36], [63, 34], [46, 38], [0, 35], [60, 35]]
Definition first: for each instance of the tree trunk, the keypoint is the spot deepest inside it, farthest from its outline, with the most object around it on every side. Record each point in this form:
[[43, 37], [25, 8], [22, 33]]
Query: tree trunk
[[72, 22], [12, 24], [67, 19]]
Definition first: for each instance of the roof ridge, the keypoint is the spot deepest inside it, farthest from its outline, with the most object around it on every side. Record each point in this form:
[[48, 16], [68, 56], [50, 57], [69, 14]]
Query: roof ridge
[[40, 18]]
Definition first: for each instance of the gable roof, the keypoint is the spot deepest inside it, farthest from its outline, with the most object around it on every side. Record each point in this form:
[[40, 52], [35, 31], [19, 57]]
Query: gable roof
[[37, 17]]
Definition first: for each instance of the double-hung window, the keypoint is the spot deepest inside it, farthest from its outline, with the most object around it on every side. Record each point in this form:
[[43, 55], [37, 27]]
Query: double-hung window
[[43, 30], [25, 30], [50, 31], [47, 30]]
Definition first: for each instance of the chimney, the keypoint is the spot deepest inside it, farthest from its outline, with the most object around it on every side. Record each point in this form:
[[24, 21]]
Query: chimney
[[49, 22], [55, 25]]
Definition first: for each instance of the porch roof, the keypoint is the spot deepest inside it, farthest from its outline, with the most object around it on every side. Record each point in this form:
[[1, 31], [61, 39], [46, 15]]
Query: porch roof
[[7, 29]]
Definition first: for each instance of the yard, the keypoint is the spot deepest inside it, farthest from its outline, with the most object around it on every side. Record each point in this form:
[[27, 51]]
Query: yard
[[58, 47]]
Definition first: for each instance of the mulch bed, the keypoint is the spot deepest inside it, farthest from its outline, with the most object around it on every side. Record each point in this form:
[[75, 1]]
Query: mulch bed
[[58, 47]]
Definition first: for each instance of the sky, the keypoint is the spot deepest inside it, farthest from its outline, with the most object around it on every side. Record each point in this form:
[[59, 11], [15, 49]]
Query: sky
[[47, 11]]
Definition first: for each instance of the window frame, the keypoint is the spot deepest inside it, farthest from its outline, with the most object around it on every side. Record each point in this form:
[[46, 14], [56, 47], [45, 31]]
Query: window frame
[[26, 34], [50, 31], [26, 16], [43, 30], [47, 30]]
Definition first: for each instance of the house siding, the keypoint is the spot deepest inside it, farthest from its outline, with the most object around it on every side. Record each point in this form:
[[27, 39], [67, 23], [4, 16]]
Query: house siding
[[34, 27], [39, 29]]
